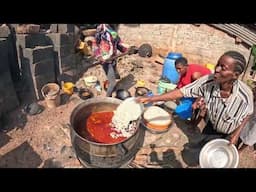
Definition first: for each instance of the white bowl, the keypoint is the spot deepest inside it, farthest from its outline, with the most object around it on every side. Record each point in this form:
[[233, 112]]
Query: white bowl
[[218, 153], [90, 81]]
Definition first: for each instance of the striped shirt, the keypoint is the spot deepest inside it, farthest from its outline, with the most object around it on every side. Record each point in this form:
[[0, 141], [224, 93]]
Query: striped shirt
[[226, 114]]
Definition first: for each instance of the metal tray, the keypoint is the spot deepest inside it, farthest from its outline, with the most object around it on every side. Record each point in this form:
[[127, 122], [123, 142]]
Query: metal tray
[[218, 153]]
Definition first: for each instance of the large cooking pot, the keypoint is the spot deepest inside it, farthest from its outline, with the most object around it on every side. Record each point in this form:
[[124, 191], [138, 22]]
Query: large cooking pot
[[99, 155], [141, 91]]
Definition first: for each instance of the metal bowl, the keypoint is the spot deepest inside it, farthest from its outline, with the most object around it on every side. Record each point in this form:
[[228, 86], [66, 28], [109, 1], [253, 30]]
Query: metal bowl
[[122, 94], [141, 91], [218, 153], [85, 94], [154, 131]]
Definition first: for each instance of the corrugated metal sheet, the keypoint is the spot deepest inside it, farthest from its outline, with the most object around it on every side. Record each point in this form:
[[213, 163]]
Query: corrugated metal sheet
[[245, 34]]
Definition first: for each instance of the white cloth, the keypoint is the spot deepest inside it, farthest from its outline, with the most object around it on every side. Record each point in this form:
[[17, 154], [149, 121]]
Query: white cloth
[[248, 133]]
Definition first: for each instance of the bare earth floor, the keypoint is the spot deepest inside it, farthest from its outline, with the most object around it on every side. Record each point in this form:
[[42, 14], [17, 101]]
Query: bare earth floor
[[43, 141]]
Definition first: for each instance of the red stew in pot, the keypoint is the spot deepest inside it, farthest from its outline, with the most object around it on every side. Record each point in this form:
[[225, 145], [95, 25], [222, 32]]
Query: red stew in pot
[[98, 128]]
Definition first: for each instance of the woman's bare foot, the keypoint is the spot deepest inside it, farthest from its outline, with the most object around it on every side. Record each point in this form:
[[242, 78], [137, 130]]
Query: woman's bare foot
[[253, 151], [241, 147]]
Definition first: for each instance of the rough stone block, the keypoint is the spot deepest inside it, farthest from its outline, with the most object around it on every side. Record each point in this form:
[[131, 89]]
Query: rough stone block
[[43, 67], [11, 52], [4, 31], [38, 54], [38, 66], [68, 61], [27, 28], [58, 39], [71, 72], [1, 104], [4, 65], [32, 40], [66, 28], [25, 66], [5, 78], [54, 28], [11, 102], [66, 68], [10, 98], [64, 50]]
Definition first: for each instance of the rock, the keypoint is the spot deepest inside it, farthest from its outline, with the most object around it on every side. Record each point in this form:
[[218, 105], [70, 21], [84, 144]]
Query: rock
[[67, 152], [52, 163]]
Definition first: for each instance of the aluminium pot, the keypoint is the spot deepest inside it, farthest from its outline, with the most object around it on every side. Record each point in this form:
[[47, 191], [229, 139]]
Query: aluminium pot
[[99, 155], [122, 94]]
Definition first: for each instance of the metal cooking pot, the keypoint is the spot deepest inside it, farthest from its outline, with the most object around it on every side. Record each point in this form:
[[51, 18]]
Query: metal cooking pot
[[100, 155], [122, 94], [85, 94], [141, 91]]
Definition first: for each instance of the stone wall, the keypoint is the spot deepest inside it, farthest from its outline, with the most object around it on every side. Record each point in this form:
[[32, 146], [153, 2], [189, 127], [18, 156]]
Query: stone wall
[[43, 57], [200, 44], [29, 61], [38, 68], [63, 44]]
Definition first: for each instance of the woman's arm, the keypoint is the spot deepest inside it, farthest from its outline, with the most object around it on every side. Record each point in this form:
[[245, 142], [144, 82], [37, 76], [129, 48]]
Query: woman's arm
[[235, 135], [172, 95], [196, 76]]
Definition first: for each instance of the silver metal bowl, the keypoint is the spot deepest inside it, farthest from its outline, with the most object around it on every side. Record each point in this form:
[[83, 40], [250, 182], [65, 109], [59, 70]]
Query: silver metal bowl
[[218, 153], [170, 105]]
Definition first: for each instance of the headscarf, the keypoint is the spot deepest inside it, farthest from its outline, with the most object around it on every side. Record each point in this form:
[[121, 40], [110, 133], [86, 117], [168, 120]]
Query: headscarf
[[107, 40]]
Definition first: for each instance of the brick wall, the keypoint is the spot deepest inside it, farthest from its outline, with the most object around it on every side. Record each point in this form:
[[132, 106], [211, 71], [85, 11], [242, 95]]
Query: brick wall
[[200, 44]]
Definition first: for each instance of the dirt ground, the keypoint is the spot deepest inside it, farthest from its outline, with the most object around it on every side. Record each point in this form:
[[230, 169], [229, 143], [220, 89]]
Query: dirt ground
[[43, 141]]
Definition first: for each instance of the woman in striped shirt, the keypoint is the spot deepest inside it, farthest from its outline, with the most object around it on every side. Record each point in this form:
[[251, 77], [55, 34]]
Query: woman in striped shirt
[[228, 101]]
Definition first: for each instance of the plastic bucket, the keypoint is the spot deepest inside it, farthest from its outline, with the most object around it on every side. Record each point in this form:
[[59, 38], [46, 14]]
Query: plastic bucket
[[51, 94], [140, 83], [184, 109], [169, 70], [172, 55], [210, 66], [68, 88], [90, 81], [164, 87]]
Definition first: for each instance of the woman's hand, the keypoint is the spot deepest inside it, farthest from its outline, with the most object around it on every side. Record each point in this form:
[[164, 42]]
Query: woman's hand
[[233, 139], [201, 105], [143, 99]]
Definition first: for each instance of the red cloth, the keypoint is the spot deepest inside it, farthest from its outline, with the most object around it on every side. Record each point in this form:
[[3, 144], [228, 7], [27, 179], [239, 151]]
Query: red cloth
[[192, 68]]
